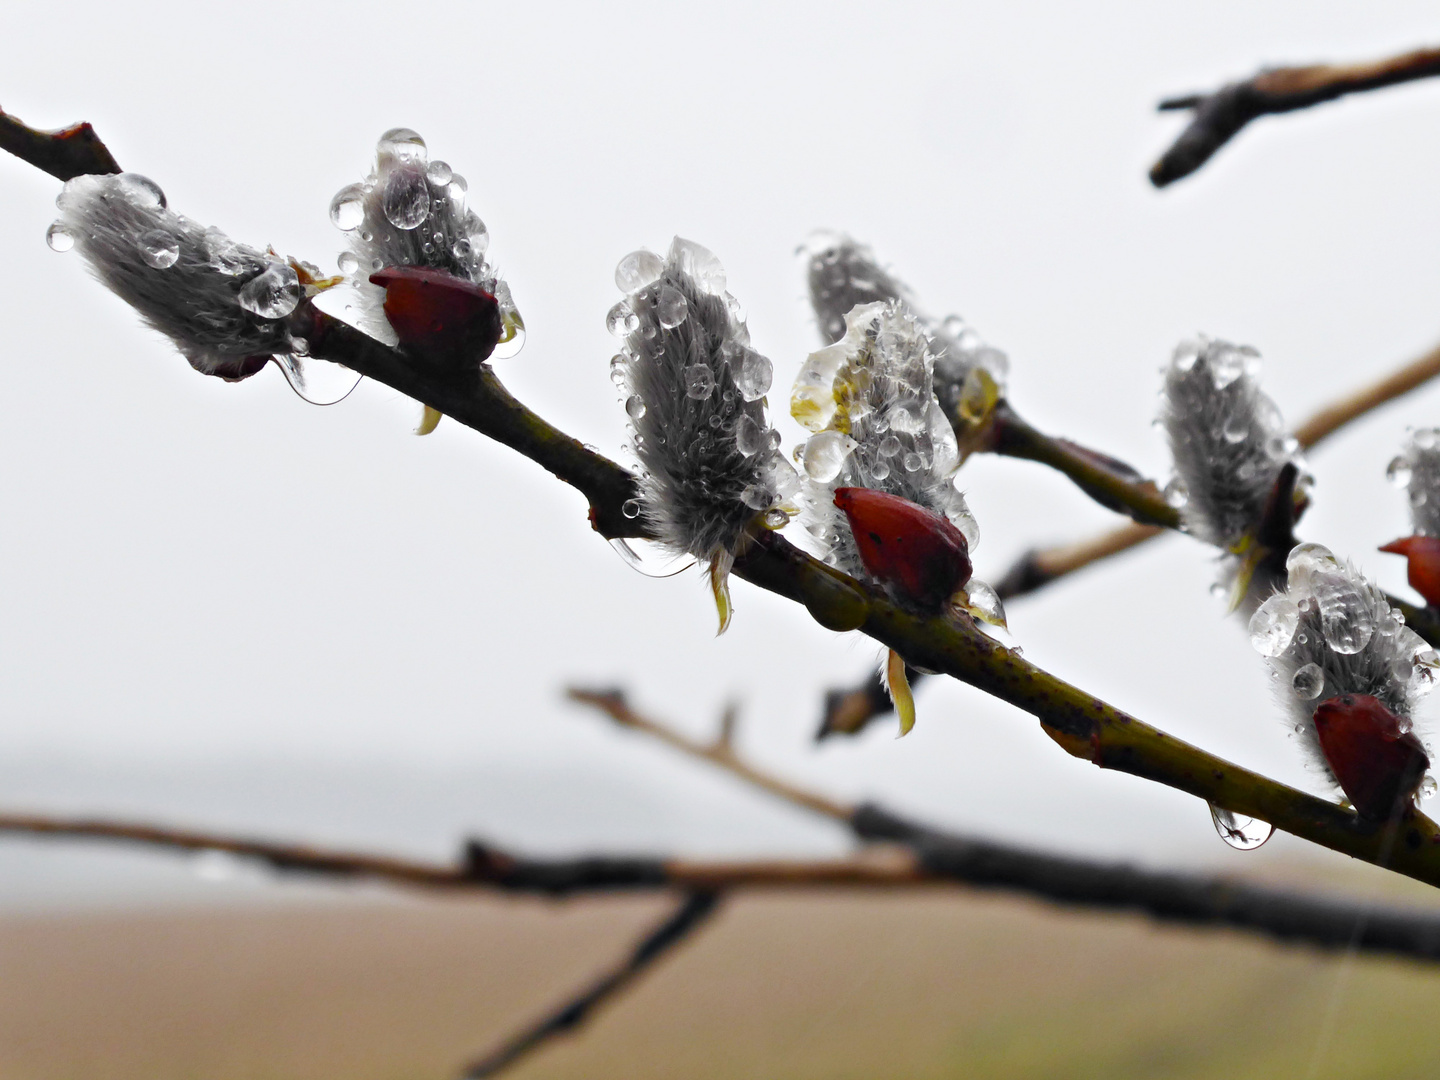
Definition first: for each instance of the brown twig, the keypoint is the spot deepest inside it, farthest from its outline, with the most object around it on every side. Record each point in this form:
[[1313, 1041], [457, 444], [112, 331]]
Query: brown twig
[[1217, 117], [913, 856], [64, 154], [690, 915], [614, 705], [1189, 899]]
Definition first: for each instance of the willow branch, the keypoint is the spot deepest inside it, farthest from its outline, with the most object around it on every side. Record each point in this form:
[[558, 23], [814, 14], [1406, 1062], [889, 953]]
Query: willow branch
[[64, 154], [1082, 724], [1219, 116], [690, 915], [1109, 481]]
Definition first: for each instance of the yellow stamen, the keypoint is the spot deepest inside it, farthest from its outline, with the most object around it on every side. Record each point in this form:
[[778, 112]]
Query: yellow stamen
[[429, 421], [719, 574], [899, 688]]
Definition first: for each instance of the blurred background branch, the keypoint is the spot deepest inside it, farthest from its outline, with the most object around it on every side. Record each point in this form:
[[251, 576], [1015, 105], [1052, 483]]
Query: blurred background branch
[[1220, 115]]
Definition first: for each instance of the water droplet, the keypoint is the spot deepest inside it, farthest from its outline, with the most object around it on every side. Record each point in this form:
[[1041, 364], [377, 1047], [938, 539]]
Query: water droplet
[[1185, 355], [348, 263], [756, 496], [751, 370], [621, 320], [319, 382], [1241, 833], [889, 446], [347, 208], [1307, 682], [631, 508], [438, 173], [1273, 625], [700, 263], [637, 270], [1226, 365], [1398, 471], [825, 455], [649, 557], [912, 461], [1427, 787], [775, 518], [1176, 493], [749, 435], [272, 293], [1426, 438], [159, 249], [1303, 562], [699, 382], [59, 237], [141, 190], [1236, 429], [985, 602], [1346, 619], [635, 406], [670, 307], [402, 144], [406, 199], [619, 367]]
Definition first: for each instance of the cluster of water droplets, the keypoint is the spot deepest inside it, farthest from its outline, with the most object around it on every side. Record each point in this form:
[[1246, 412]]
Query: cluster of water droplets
[[411, 211], [1332, 632], [694, 390], [869, 402], [969, 375], [220, 301], [1227, 438], [1416, 471]]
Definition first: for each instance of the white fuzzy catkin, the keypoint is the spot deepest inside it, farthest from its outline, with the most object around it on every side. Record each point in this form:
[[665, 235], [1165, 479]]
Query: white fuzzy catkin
[[1417, 470], [1329, 632], [1227, 437], [694, 388], [223, 304], [869, 400], [410, 211], [844, 274]]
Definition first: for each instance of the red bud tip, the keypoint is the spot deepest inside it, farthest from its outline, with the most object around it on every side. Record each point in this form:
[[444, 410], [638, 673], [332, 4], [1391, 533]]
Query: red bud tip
[[1423, 555], [1378, 762], [440, 315], [915, 552]]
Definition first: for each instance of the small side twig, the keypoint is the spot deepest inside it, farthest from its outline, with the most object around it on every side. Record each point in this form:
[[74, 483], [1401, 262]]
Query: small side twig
[[689, 916], [1219, 116]]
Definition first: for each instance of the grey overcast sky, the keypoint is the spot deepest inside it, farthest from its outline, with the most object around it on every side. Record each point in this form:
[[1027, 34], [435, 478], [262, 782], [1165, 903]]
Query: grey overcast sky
[[197, 572]]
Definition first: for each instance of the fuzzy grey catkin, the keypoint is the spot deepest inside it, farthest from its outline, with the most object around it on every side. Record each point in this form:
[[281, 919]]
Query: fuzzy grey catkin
[[711, 469], [843, 274], [1417, 469], [411, 211], [223, 304], [1227, 439], [1330, 631]]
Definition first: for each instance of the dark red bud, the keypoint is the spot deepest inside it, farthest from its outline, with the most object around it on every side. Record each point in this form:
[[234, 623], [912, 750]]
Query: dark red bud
[[918, 554], [1423, 573], [1378, 762], [438, 315]]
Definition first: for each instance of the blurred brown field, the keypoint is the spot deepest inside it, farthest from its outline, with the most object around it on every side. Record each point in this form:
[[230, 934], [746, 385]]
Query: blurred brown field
[[939, 984]]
